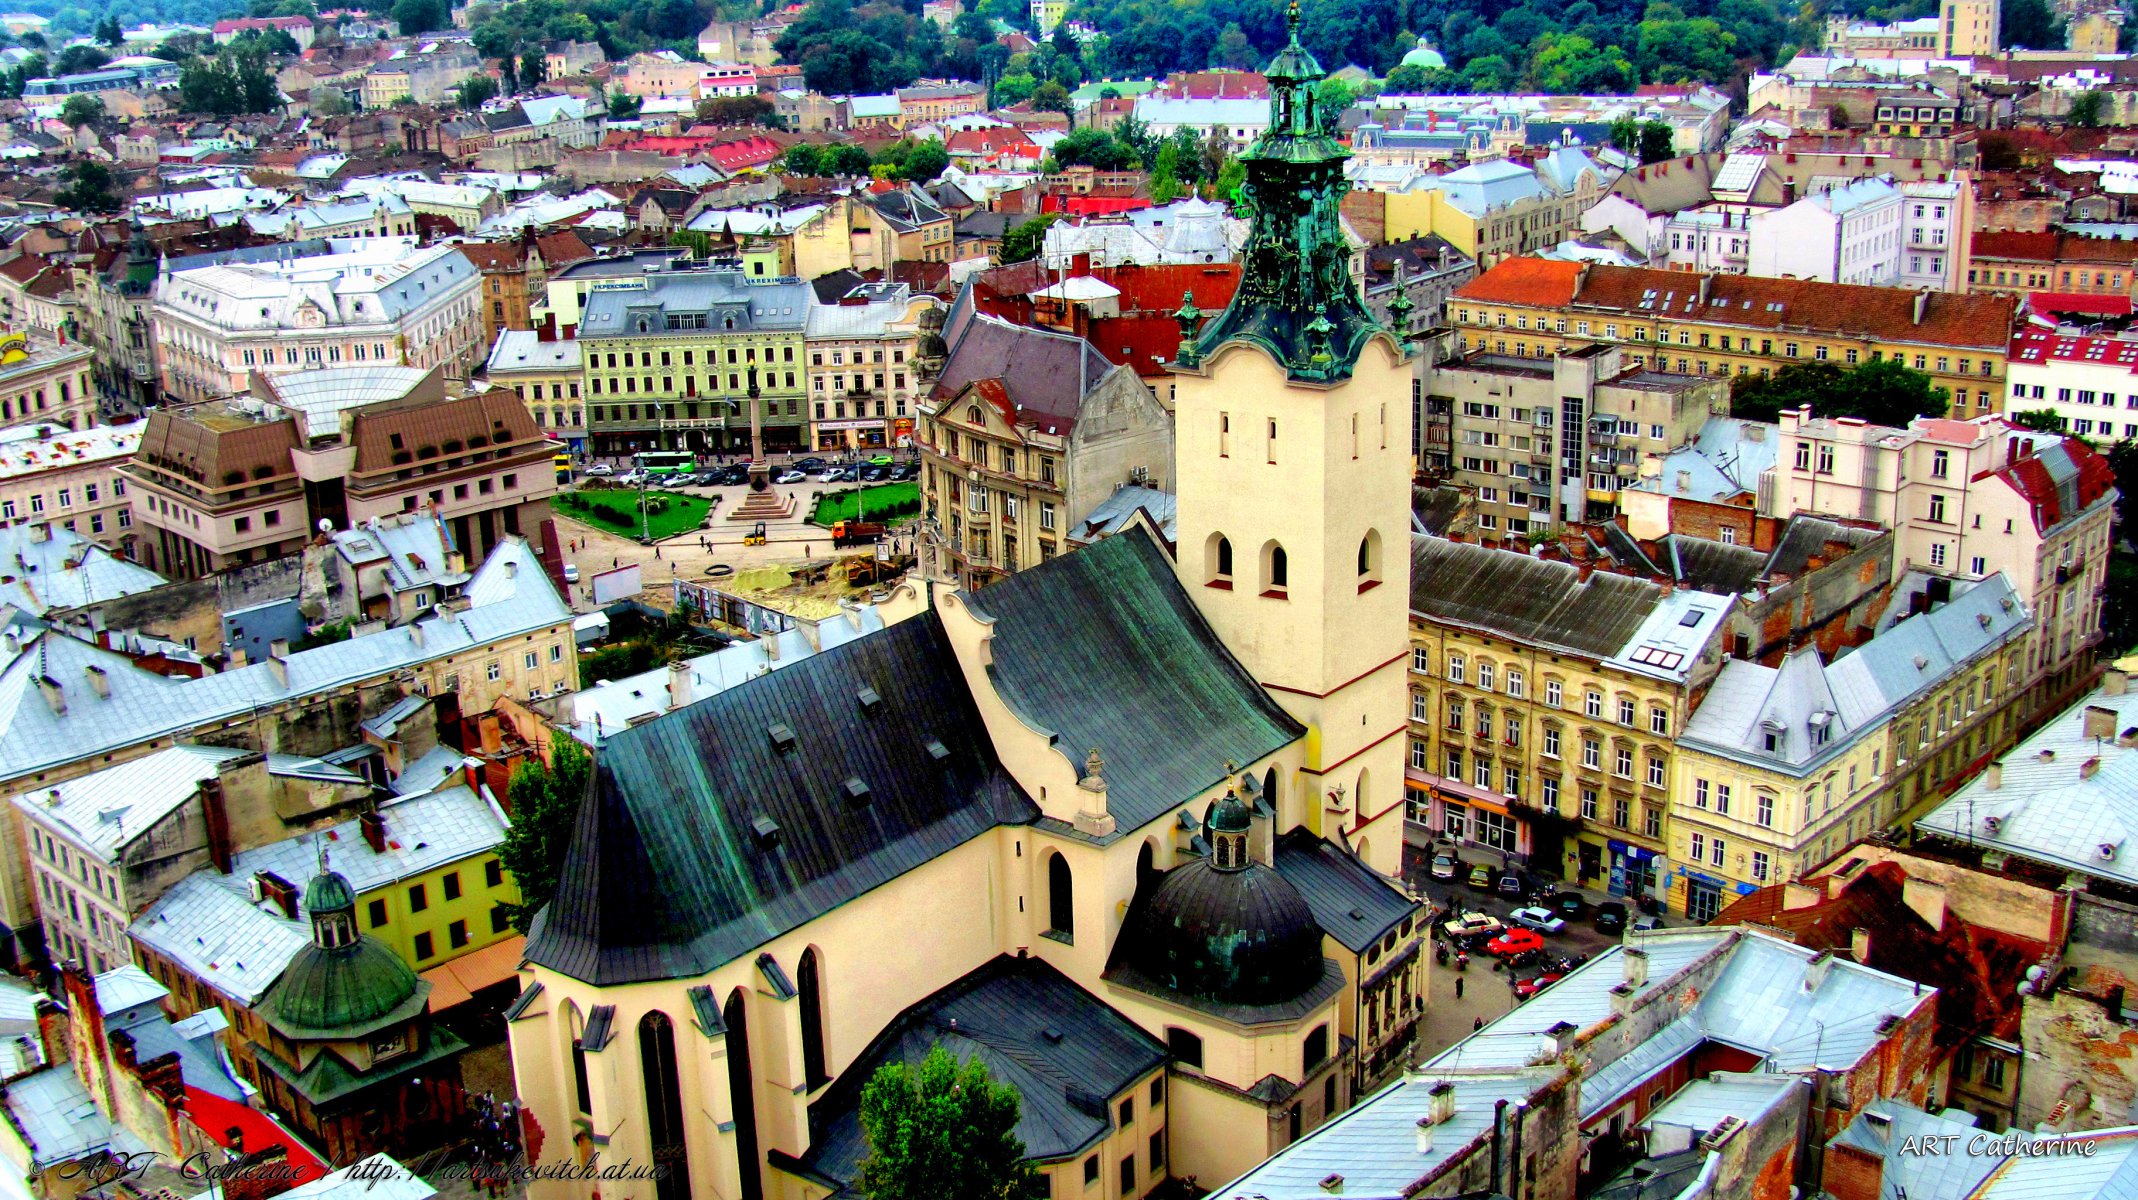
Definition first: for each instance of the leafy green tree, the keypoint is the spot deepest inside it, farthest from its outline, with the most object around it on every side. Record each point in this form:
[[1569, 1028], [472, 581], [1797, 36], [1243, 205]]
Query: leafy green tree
[[1406, 80], [1491, 75], [1883, 392], [1014, 89], [1233, 50], [1023, 242], [623, 106], [420, 16], [475, 90], [208, 85], [943, 1130], [1678, 50], [2032, 24], [846, 160], [924, 162], [534, 69], [1229, 178], [1052, 97], [80, 110], [90, 189], [76, 59], [1658, 140], [2086, 109], [803, 159], [1626, 134], [2044, 420], [545, 801], [257, 92], [1568, 64], [1331, 98], [1165, 184], [109, 33]]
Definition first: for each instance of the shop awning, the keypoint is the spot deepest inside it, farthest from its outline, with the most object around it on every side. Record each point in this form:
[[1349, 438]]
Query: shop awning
[[457, 982]]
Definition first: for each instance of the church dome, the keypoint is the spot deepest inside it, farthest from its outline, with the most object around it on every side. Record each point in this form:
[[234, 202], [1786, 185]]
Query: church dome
[[1225, 928], [327, 892], [1424, 56], [346, 991]]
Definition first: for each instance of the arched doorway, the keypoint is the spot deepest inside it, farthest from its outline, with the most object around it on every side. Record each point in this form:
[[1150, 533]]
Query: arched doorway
[[742, 1096], [664, 1105]]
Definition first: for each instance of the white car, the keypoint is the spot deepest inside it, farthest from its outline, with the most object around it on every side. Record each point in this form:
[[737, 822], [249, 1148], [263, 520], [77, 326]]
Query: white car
[[830, 475], [1539, 919], [791, 477], [599, 471], [631, 478], [571, 572]]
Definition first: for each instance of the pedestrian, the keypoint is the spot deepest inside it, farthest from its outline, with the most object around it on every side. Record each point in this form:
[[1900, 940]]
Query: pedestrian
[[1458, 987], [613, 560], [656, 551], [1476, 1023]]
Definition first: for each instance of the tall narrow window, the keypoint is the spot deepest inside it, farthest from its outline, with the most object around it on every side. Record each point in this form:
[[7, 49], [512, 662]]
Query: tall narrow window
[[1061, 898], [742, 1096], [664, 1105], [809, 984], [574, 1024]]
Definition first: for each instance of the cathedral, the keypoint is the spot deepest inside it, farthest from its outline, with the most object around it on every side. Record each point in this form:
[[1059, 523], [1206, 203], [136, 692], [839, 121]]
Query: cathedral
[[1125, 825]]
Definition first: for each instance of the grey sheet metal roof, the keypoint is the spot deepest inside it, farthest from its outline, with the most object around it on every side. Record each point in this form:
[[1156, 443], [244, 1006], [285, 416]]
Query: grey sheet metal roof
[[1104, 649], [56, 1117], [208, 925], [1884, 1127], [702, 838], [1705, 1103], [106, 810], [777, 306], [1065, 1051], [1352, 902], [48, 567], [1526, 598]]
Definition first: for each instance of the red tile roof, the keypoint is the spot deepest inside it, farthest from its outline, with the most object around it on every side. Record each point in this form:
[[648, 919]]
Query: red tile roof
[[742, 154], [2079, 302], [1752, 302], [2053, 247], [2046, 345], [256, 1131], [1159, 288], [2060, 481]]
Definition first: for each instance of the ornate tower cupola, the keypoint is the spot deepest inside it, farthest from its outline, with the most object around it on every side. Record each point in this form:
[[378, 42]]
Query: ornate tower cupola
[[1230, 823], [332, 903], [1297, 298]]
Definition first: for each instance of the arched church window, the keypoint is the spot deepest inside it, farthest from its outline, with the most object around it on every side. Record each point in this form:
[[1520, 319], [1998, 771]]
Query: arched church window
[[1061, 898], [808, 982]]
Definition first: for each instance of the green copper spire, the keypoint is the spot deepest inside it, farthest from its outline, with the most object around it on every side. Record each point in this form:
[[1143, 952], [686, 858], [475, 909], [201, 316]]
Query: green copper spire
[[1297, 299]]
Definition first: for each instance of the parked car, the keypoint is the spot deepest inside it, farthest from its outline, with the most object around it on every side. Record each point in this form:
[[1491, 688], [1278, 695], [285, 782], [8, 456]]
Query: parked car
[[599, 471], [1513, 942], [1610, 917], [875, 474], [850, 475], [1445, 866], [734, 477], [571, 572], [1570, 905], [1524, 989], [1647, 924], [1474, 925], [631, 478], [791, 477], [1510, 883], [1481, 878], [810, 465], [880, 460], [1539, 919], [905, 471], [831, 475]]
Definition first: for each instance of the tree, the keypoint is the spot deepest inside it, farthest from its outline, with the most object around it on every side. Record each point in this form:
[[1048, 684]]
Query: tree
[[1165, 175], [2032, 24], [76, 59], [80, 110], [109, 33], [545, 808], [846, 160], [1233, 50], [1658, 140], [1023, 242], [924, 162], [1406, 80], [736, 110], [534, 69], [475, 90], [2043, 420], [1569, 64], [420, 16], [803, 159], [1052, 97], [1883, 392], [2086, 109], [623, 106], [91, 190], [943, 1130], [1626, 134]]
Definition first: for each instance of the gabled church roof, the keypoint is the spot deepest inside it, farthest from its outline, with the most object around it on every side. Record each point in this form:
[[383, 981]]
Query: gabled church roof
[[713, 829]]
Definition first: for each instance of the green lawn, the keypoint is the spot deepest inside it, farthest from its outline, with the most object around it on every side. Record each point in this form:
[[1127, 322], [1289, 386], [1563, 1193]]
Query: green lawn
[[615, 510], [885, 502]]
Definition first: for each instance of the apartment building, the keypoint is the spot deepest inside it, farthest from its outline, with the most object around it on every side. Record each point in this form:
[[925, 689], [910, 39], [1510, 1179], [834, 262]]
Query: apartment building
[[348, 302], [1780, 768], [47, 385], [1549, 442], [2008, 262], [546, 374], [2089, 383], [1738, 324], [1541, 727], [419, 78], [672, 359], [516, 274], [1937, 217], [1025, 431], [71, 479], [863, 381], [1971, 498], [1500, 208], [247, 478], [1848, 234]]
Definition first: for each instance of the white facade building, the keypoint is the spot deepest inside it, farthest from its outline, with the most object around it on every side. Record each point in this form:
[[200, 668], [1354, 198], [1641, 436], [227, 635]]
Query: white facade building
[[1851, 234], [1934, 223], [2089, 382], [368, 300]]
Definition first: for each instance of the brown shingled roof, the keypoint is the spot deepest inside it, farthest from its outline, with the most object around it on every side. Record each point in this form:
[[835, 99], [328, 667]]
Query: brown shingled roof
[[445, 429], [1983, 322]]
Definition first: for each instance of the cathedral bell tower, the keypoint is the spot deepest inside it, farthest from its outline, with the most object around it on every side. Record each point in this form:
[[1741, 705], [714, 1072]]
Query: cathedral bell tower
[[1293, 428]]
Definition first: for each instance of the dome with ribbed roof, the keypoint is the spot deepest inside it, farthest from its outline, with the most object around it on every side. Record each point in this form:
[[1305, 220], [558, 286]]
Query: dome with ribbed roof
[[343, 985], [1239, 935], [1423, 55], [329, 892]]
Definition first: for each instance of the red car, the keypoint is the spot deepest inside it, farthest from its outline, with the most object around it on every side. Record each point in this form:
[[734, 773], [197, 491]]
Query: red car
[[1526, 988], [1513, 942]]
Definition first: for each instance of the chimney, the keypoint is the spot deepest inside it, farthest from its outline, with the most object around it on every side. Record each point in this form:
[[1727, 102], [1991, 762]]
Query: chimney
[[1707, 281], [1636, 964], [2090, 767], [492, 732], [1859, 944], [1993, 777], [1425, 1135], [1922, 305], [100, 681], [2113, 681], [1798, 895], [1622, 999], [512, 568], [1926, 898], [14, 643], [1561, 1036], [1440, 1103], [280, 891], [52, 1031], [1815, 971], [55, 695], [217, 818], [2011, 450], [374, 827], [279, 666], [415, 634], [678, 685], [2099, 723], [41, 532]]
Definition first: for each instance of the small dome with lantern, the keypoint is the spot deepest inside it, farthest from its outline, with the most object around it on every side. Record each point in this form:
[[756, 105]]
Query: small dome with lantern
[[1425, 57]]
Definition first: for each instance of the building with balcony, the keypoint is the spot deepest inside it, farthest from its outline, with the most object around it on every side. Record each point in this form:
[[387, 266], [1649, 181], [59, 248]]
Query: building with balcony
[[863, 380], [248, 478], [1973, 499], [1726, 325], [1545, 443], [1024, 431], [70, 479], [354, 302], [673, 360]]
